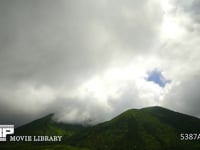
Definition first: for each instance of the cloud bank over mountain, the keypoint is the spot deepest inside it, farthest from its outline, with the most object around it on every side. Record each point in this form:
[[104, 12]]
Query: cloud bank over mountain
[[88, 61]]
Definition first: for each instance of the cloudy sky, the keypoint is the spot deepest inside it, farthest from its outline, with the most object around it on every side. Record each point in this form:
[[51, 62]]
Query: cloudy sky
[[87, 61]]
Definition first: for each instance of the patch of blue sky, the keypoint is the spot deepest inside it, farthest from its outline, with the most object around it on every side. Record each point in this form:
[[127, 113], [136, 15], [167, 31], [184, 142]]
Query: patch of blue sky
[[157, 77]]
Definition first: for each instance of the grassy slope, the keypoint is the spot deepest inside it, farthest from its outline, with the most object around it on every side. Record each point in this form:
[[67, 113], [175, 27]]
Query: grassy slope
[[153, 128], [182, 122]]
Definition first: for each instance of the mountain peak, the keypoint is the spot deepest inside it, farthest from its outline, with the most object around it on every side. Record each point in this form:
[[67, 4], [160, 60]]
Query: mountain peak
[[147, 128]]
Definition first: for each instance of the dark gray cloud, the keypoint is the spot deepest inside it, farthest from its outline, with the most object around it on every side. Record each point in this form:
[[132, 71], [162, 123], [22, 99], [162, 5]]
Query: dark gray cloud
[[185, 97]]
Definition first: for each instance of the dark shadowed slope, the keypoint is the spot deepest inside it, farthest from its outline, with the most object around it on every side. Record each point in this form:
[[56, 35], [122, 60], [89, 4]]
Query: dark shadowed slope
[[182, 122]]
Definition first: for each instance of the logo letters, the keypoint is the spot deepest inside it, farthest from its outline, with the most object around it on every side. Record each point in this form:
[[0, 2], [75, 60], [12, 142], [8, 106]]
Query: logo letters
[[5, 130]]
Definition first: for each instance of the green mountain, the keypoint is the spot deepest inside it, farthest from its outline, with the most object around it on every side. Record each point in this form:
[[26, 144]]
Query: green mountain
[[152, 128]]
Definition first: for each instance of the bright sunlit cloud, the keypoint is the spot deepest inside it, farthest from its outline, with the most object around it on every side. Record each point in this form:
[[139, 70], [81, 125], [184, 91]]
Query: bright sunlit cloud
[[171, 26], [166, 6]]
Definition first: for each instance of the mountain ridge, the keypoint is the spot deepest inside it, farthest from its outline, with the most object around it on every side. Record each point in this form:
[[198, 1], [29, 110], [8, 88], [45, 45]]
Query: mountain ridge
[[155, 128]]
